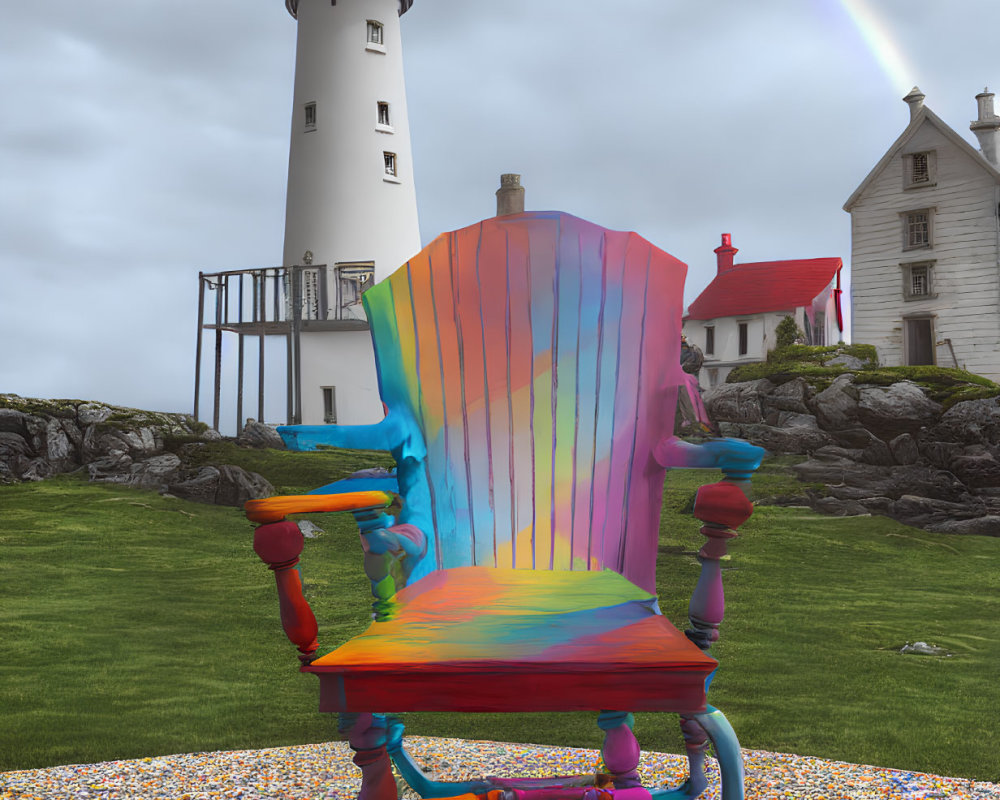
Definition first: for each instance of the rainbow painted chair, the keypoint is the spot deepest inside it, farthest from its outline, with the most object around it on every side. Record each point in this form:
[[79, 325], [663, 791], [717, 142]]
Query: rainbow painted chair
[[529, 370]]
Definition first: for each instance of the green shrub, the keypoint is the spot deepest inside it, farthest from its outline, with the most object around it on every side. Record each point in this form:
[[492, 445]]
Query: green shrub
[[787, 332]]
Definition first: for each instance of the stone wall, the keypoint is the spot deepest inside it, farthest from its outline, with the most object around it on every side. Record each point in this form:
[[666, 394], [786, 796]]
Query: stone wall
[[887, 450], [110, 444]]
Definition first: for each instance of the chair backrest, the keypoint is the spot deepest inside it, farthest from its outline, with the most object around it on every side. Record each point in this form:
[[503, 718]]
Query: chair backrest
[[538, 357]]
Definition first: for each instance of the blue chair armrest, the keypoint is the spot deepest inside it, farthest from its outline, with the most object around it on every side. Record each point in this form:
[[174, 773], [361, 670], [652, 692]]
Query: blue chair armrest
[[385, 435], [735, 457]]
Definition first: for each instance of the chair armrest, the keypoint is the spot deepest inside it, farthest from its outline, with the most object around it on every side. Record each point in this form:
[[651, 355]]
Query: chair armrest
[[393, 433], [273, 509], [735, 457], [391, 552]]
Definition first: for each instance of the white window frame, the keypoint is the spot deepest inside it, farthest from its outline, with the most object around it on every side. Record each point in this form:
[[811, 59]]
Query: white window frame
[[384, 127], [740, 326], [710, 340], [375, 36], [390, 167], [909, 222]]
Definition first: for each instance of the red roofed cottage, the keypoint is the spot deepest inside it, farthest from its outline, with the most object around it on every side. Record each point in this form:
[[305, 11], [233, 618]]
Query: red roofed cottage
[[733, 321]]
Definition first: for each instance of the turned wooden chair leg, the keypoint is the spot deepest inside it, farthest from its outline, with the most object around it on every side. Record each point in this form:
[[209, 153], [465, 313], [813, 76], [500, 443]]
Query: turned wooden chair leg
[[695, 744], [367, 738], [620, 750]]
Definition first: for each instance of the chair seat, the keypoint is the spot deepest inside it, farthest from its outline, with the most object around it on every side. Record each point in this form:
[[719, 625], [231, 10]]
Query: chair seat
[[494, 639]]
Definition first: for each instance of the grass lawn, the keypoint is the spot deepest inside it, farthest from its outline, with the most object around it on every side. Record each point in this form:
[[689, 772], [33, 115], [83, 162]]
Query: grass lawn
[[135, 625]]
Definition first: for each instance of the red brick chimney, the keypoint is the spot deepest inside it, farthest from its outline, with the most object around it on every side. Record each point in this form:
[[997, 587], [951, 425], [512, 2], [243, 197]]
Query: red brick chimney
[[725, 253]]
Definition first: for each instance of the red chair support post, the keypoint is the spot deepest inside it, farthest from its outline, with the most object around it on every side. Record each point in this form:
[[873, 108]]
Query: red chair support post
[[279, 544], [722, 507]]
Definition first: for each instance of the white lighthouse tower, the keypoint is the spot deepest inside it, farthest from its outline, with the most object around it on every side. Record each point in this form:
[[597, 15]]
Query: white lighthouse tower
[[351, 213]]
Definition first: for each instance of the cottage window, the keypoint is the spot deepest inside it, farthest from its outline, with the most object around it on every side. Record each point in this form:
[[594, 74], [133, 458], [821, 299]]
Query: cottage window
[[918, 280], [374, 32], [310, 116], [918, 229], [709, 340], [744, 334], [918, 170]]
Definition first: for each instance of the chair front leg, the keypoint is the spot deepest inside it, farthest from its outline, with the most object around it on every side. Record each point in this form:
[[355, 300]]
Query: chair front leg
[[695, 744], [620, 750], [366, 735], [722, 507]]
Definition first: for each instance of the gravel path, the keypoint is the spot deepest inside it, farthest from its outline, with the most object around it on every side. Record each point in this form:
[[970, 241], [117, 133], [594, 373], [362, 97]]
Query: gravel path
[[325, 771]]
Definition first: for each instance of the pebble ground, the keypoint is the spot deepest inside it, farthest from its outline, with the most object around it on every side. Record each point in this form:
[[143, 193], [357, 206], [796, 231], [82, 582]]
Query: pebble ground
[[325, 771]]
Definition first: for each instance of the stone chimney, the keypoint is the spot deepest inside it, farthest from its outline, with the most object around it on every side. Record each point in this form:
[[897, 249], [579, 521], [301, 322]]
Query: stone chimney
[[987, 127], [724, 253], [915, 100], [510, 195]]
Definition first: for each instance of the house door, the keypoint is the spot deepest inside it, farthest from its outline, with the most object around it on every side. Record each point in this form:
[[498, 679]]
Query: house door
[[919, 340]]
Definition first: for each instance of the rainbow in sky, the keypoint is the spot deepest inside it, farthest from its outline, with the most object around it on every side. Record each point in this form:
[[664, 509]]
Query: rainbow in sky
[[879, 39]]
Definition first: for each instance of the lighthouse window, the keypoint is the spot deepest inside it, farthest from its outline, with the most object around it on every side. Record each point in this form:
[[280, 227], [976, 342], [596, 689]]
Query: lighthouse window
[[329, 404], [390, 163], [310, 119], [383, 114], [374, 32]]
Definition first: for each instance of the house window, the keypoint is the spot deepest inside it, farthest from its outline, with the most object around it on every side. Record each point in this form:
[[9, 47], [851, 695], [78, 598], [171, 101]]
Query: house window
[[918, 340], [709, 340], [744, 338], [329, 404], [918, 170], [819, 329], [383, 114], [917, 280], [917, 229], [390, 163], [310, 116], [374, 32]]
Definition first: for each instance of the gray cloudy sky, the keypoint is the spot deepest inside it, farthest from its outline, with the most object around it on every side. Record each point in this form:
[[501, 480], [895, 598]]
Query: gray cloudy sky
[[142, 141]]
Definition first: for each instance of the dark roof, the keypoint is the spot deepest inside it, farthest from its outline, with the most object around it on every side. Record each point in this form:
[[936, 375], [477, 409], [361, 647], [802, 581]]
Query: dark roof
[[764, 286]]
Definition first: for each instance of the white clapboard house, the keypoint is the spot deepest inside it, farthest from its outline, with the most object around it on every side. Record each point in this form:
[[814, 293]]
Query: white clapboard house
[[734, 319], [925, 245]]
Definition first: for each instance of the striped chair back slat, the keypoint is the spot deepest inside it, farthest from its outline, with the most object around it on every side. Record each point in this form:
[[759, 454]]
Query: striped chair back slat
[[536, 356]]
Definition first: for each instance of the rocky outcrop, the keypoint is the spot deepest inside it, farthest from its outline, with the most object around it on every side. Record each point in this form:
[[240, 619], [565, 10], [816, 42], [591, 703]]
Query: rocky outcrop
[[887, 450], [42, 438], [260, 434]]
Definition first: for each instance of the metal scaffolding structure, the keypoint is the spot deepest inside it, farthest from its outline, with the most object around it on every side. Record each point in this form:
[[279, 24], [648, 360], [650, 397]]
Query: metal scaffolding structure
[[273, 301]]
